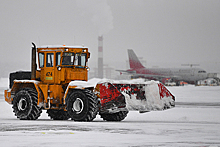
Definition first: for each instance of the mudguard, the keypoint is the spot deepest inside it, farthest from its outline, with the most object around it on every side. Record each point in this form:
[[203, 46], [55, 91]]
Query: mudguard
[[19, 84]]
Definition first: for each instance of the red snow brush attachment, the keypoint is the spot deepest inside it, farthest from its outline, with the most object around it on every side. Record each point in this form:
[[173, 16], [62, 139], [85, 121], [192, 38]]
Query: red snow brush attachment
[[143, 97]]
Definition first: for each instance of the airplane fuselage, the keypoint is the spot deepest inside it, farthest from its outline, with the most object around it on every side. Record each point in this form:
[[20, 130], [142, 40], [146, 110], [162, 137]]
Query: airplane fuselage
[[189, 75]]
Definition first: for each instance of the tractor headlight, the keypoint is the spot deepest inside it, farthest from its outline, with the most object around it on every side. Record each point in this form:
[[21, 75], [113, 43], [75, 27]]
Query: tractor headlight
[[58, 68]]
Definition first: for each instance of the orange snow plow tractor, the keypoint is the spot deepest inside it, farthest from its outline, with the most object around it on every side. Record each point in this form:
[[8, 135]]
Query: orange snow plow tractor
[[59, 83]]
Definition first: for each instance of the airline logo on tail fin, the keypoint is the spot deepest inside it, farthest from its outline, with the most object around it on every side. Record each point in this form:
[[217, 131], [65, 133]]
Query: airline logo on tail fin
[[133, 60]]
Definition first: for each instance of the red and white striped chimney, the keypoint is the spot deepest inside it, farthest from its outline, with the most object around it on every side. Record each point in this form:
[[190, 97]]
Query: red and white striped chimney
[[100, 57]]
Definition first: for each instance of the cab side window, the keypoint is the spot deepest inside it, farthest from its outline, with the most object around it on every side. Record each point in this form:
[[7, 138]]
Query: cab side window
[[58, 58], [41, 60], [50, 60]]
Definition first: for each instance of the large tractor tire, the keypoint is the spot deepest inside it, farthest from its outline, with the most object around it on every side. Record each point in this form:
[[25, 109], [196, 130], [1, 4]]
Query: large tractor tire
[[82, 105], [58, 114], [25, 104], [119, 116]]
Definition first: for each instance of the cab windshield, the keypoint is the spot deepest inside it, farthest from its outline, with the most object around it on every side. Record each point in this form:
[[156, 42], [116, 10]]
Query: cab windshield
[[74, 59]]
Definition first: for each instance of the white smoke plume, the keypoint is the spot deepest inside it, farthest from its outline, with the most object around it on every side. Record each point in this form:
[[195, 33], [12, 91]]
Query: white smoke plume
[[99, 12]]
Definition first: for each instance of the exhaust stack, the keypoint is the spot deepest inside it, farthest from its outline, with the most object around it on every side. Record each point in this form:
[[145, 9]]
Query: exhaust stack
[[33, 62]]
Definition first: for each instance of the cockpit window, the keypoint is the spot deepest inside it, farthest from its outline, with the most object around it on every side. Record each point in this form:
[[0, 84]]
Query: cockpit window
[[201, 71]]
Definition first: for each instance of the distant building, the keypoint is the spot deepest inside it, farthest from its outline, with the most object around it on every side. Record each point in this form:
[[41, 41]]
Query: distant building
[[108, 72]]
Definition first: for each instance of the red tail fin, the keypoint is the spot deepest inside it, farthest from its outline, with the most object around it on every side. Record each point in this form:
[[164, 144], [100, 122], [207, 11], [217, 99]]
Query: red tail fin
[[133, 60]]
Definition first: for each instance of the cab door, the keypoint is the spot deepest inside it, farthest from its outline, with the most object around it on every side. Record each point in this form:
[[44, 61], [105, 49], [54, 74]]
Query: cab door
[[49, 67], [57, 73]]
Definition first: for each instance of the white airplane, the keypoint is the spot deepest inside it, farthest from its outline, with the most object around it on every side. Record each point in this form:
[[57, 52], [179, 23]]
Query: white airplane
[[190, 75]]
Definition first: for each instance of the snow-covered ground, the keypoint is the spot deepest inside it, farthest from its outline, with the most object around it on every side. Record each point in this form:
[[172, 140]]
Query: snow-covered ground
[[195, 121]]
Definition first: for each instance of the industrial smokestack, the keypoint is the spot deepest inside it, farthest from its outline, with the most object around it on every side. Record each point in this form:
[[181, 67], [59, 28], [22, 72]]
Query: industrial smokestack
[[100, 57]]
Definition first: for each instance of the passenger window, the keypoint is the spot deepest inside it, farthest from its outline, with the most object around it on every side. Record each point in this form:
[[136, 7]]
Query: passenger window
[[41, 60], [50, 59]]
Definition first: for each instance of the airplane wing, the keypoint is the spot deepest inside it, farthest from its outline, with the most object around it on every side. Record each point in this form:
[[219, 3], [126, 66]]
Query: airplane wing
[[142, 75], [127, 71], [133, 73], [156, 76], [151, 75], [147, 76]]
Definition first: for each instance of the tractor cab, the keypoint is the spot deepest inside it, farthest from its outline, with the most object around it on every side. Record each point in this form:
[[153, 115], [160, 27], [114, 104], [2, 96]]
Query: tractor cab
[[62, 64]]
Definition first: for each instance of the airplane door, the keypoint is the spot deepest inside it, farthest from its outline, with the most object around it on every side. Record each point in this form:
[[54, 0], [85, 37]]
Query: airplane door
[[192, 72]]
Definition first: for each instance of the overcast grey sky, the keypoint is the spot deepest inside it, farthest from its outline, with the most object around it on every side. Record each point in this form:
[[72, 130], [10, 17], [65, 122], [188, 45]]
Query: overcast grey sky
[[164, 32]]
